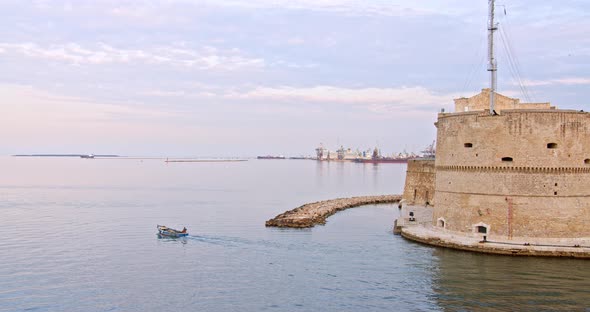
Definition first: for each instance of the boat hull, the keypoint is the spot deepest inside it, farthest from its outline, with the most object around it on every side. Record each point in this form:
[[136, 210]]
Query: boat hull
[[173, 235], [164, 231]]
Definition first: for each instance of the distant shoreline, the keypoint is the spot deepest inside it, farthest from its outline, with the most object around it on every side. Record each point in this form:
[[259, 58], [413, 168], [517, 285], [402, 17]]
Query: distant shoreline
[[61, 155], [118, 157]]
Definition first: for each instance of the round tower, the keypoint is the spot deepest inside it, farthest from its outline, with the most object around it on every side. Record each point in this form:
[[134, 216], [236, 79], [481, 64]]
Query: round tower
[[522, 173]]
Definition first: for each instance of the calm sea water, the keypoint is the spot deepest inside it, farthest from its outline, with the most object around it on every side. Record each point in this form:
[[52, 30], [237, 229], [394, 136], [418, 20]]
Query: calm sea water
[[80, 235]]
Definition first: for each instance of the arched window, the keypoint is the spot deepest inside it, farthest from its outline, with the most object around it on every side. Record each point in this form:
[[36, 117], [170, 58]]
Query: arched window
[[551, 145], [507, 159]]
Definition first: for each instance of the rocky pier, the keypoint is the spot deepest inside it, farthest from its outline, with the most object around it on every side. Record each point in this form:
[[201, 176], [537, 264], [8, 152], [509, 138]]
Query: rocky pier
[[311, 214]]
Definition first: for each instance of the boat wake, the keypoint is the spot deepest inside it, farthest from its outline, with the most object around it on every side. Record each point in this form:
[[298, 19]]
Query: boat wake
[[225, 241]]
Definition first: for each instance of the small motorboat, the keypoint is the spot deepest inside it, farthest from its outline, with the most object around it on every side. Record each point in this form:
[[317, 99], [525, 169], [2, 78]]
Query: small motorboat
[[165, 231]]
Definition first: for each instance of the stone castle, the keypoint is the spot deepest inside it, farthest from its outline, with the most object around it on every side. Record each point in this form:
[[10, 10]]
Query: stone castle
[[521, 174]]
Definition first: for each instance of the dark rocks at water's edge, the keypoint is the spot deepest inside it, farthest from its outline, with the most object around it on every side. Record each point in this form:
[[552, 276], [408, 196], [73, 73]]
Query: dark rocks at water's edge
[[311, 214]]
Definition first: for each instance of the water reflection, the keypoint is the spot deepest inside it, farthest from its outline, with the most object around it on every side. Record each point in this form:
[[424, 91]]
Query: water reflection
[[319, 172], [182, 240], [474, 282]]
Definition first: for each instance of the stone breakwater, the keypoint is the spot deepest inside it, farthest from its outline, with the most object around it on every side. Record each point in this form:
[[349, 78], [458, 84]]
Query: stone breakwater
[[311, 214]]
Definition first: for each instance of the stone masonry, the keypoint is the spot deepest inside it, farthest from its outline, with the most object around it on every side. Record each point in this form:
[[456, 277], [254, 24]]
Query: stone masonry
[[517, 177], [419, 186], [481, 102], [524, 172]]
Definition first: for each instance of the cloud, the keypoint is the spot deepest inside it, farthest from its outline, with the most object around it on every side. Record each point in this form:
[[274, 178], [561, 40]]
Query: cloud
[[278, 100], [403, 97], [33, 105], [347, 7], [295, 41], [34, 118], [100, 54], [177, 94], [561, 81]]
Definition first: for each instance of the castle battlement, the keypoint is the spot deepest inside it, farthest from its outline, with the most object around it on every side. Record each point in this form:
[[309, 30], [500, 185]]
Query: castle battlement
[[481, 102]]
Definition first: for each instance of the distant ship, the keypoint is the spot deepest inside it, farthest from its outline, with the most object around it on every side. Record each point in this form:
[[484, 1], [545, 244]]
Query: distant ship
[[342, 154], [89, 156], [369, 156], [376, 158], [428, 152], [271, 157]]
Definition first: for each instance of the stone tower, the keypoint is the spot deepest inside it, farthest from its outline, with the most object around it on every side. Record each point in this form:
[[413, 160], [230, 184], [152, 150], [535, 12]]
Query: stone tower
[[523, 172]]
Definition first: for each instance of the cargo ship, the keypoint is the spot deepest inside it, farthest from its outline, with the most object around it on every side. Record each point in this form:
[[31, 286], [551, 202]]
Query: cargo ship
[[342, 154], [428, 152], [376, 158], [394, 160], [369, 156]]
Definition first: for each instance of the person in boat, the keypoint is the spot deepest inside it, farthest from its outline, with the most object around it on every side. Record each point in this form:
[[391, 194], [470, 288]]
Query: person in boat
[[183, 230]]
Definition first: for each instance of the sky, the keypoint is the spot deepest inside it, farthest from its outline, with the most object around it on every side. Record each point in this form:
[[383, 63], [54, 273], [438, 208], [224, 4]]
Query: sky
[[233, 78]]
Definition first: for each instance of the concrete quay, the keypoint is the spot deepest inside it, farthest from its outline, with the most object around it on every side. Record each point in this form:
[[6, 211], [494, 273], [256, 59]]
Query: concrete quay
[[515, 246], [311, 214]]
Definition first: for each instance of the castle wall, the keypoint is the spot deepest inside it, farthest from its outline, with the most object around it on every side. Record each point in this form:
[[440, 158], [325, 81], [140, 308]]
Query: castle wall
[[522, 173], [419, 186], [481, 102]]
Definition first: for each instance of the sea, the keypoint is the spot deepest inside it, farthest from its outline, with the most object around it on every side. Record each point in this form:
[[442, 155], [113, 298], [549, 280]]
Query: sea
[[80, 235]]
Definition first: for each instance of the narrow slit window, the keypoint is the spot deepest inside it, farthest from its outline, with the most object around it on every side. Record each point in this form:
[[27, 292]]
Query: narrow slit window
[[507, 159], [551, 145], [468, 145]]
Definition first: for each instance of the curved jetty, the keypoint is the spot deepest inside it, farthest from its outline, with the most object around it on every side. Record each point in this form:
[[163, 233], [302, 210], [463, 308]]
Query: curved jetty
[[311, 214]]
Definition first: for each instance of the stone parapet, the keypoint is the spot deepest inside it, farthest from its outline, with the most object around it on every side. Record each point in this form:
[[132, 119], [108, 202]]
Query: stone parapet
[[481, 102]]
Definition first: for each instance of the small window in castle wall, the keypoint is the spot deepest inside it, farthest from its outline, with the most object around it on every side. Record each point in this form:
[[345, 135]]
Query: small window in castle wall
[[587, 161], [507, 159], [482, 229], [468, 145], [551, 145]]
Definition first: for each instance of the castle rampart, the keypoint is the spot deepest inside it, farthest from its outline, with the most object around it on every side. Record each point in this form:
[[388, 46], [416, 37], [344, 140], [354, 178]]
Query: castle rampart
[[481, 102], [419, 186], [522, 173]]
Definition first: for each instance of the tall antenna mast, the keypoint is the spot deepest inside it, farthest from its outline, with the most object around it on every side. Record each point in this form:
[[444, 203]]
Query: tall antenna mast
[[492, 61]]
